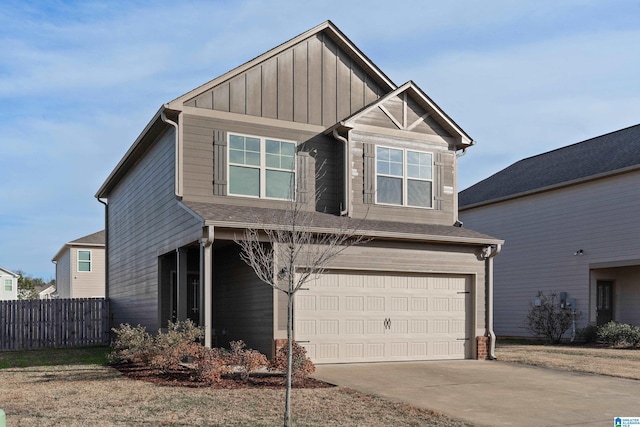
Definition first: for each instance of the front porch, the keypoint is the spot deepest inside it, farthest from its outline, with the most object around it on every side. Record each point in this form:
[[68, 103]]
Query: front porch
[[615, 293]]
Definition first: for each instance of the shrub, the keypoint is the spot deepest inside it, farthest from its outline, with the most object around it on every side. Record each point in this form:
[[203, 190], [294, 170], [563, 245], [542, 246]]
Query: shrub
[[164, 351], [211, 365], [619, 334], [132, 344], [246, 359], [301, 365], [587, 335], [548, 319]]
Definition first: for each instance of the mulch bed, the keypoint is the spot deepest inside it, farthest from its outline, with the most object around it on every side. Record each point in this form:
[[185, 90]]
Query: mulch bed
[[183, 378]]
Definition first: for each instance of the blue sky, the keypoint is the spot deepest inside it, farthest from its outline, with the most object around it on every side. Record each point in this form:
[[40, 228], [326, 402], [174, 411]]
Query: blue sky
[[79, 80]]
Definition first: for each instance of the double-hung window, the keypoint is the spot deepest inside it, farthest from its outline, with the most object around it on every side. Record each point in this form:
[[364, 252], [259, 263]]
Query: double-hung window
[[261, 167], [404, 177], [84, 261], [8, 285]]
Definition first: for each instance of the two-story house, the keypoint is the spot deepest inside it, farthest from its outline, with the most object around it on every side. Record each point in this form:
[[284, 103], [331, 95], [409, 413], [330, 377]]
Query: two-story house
[[570, 218], [8, 284], [80, 268], [316, 114]]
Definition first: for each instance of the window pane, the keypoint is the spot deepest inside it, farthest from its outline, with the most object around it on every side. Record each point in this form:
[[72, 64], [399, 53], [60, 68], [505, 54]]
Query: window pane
[[279, 184], [419, 193], [389, 190], [84, 255], [287, 162], [84, 266], [252, 144], [273, 161], [382, 153], [395, 156], [244, 181], [395, 169], [236, 156], [288, 149], [418, 165], [252, 159], [236, 142], [273, 146]]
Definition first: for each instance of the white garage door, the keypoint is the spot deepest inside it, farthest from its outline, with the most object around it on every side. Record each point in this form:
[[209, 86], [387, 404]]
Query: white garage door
[[365, 317]]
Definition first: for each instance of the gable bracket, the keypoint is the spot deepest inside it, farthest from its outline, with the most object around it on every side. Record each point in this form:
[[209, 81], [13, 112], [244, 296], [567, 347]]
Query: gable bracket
[[421, 119], [393, 119]]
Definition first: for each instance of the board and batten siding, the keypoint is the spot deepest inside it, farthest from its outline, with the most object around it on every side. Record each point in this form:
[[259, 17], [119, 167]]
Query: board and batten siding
[[405, 258], [144, 222], [543, 231], [199, 162], [243, 305], [63, 275], [313, 82], [88, 284]]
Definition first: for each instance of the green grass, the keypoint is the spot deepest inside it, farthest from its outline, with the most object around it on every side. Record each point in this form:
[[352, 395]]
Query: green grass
[[54, 357]]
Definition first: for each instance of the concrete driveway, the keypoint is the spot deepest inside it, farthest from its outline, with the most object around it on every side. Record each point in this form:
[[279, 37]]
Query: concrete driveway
[[494, 393]]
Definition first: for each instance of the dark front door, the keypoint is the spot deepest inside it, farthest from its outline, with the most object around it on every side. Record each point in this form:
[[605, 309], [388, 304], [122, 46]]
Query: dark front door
[[604, 301]]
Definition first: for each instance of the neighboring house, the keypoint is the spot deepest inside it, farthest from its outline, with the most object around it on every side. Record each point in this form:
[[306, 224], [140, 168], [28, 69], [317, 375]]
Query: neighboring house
[[571, 222], [48, 293], [80, 267], [8, 284], [223, 157]]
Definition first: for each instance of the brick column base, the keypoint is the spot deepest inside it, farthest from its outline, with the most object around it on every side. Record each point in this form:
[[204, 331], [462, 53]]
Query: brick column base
[[483, 348]]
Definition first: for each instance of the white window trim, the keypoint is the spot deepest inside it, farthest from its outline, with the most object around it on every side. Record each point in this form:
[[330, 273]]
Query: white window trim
[[78, 260], [404, 177], [263, 166]]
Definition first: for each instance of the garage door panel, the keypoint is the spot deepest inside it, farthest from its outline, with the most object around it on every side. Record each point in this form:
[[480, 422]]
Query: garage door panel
[[360, 317]]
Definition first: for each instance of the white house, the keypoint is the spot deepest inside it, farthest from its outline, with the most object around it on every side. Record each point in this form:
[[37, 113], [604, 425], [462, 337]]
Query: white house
[[8, 284]]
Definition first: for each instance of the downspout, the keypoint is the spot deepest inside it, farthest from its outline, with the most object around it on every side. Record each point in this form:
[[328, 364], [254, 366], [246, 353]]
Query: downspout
[[178, 154], [347, 172], [106, 248], [488, 253]]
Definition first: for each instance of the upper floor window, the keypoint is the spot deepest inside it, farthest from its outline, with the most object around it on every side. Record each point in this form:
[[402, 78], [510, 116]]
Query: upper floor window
[[8, 285], [84, 260], [404, 177], [261, 167]]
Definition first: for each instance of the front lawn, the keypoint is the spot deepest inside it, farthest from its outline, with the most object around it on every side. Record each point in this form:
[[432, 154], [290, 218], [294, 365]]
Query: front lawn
[[63, 387]]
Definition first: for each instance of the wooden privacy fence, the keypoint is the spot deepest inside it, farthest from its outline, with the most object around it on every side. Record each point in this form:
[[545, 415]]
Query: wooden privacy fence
[[32, 324]]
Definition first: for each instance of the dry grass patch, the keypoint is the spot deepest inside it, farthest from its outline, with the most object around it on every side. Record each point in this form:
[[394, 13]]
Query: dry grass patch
[[604, 361], [80, 395]]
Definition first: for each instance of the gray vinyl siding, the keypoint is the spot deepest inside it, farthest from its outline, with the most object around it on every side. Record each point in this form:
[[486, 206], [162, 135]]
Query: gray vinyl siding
[[363, 180], [543, 231], [314, 82], [199, 162], [243, 305], [418, 258], [144, 222], [63, 275], [88, 284]]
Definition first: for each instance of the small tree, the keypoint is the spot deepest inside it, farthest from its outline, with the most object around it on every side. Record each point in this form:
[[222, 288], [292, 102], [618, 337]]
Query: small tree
[[547, 319], [288, 253]]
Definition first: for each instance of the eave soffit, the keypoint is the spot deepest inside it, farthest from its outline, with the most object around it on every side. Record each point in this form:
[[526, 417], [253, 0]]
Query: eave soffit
[[327, 27], [463, 140]]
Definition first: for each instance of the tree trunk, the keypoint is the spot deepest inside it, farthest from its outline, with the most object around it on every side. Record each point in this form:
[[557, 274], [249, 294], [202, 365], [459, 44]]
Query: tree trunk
[[287, 404]]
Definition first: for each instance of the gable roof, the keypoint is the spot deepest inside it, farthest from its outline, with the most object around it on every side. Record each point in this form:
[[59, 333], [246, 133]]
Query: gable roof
[[10, 273], [96, 239], [431, 108], [608, 154], [327, 28], [231, 216]]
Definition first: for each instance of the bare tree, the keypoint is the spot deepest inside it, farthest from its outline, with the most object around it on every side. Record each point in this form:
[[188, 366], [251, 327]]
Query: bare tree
[[290, 251]]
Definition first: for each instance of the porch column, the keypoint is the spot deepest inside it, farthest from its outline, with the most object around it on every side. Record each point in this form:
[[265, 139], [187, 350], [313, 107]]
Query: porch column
[[181, 276], [207, 282]]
